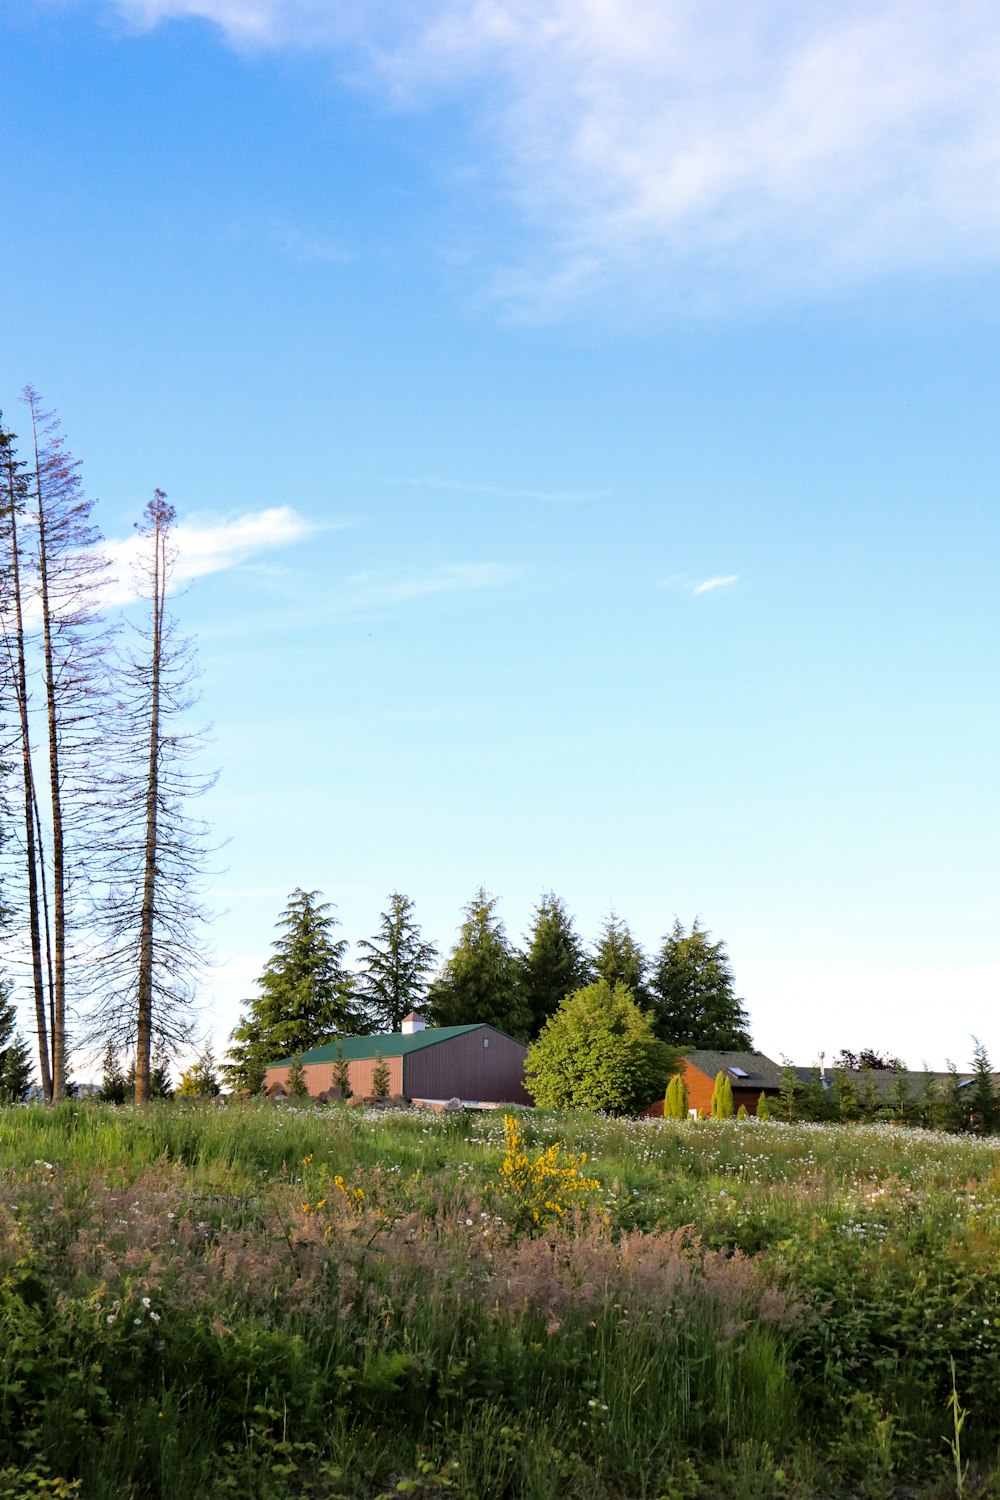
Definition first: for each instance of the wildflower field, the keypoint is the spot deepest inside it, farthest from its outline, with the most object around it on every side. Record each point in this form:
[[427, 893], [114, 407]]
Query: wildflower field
[[317, 1303]]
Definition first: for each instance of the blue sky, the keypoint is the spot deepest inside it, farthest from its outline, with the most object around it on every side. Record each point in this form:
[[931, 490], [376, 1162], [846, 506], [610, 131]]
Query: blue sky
[[472, 343]]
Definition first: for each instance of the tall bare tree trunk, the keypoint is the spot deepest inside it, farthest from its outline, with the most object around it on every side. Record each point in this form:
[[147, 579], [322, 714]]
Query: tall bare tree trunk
[[58, 840], [144, 994], [19, 673]]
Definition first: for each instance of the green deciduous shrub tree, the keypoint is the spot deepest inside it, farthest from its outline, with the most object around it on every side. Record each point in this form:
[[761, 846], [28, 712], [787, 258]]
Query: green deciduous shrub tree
[[598, 1052]]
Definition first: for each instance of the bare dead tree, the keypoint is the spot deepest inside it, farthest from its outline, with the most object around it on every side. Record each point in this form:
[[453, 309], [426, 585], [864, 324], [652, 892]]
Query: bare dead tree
[[150, 916], [14, 483], [70, 583]]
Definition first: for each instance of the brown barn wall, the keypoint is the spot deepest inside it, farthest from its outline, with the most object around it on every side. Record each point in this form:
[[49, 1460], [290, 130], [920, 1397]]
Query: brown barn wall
[[319, 1076], [461, 1067]]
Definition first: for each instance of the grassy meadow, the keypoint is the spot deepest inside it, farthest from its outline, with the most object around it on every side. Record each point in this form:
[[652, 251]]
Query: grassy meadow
[[292, 1301]]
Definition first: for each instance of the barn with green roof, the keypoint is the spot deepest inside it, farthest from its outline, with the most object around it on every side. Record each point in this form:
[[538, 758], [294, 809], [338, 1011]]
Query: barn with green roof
[[432, 1064]]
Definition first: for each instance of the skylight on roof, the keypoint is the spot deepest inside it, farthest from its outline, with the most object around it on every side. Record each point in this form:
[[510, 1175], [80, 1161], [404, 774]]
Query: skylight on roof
[[739, 1073]]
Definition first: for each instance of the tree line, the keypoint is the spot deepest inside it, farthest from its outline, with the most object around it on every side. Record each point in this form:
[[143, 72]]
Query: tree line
[[307, 993], [103, 859]]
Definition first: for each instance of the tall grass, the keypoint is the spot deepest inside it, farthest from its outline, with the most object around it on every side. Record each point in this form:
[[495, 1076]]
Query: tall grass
[[301, 1302]]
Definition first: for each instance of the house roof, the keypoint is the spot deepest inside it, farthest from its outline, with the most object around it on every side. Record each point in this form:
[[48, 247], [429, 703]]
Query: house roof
[[393, 1044], [755, 1070]]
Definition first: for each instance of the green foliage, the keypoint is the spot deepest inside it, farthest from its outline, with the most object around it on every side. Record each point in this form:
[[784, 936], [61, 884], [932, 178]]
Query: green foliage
[[480, 982], [341, 1073], [693, 994], [763, 1107], [200, 1080], [304, 996], [869, 1099], [16, 1070], [845, 1096], [795, 1341], [296, 1084], [789, 1093], [114, 1087], [899, 1099], [618, 959], [394, 967], [722, 1098], [554, 963], [742, 1113], [815, 1099], [953, 1112], [984, 1105], [675, 1104], [598, 1052], [380, 1077]]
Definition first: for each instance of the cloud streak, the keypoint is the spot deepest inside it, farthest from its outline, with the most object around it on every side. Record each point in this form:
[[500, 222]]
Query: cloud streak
[[383, 590], [209, 546], [496, 491], [705, 149], [710, 584]]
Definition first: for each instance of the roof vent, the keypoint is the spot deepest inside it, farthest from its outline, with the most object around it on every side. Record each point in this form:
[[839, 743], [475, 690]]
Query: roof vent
[[412, 1023]]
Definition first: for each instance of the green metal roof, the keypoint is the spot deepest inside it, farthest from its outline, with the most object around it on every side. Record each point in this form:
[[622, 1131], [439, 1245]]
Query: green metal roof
[[364, 1048]]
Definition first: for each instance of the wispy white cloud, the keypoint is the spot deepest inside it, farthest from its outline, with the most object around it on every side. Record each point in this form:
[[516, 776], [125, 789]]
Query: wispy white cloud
[[682, 583], [375, 590], [209, 546], [701, 149], [497, 491], [715, 583]]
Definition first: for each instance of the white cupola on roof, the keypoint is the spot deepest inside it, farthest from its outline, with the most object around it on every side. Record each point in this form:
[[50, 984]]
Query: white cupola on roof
[[412, 1023]]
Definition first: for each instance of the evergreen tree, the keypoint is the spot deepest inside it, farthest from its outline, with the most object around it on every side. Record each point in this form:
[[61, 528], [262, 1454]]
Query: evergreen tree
[[789, 1091], [113, 1089], [15, 1055], [982, 1092], [845, 1095], [722, 1098], [394, 966], [200, 1080], [869, 1101], [954, 1107], [693, 994], [380, 1077], [928, 1100], [742, 1113], [341, 1073], [675, 1105], [763, 1107], [303, 994], [160, 1086], [296, 1083], [900, 1097], [480, 981], [553, 964], [598, 1052], [618, 959], [815, 1100]]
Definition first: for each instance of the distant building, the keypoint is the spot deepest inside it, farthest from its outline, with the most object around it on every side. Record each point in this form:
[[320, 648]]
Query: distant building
[[750, 1073], [476, 1064]]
